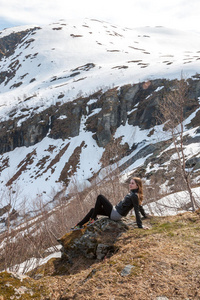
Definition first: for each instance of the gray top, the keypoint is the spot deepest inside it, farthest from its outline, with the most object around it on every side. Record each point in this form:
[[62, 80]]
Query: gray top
[[115, 216]]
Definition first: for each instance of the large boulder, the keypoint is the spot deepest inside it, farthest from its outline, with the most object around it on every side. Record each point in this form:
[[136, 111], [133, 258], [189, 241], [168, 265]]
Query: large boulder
[[94, 241]]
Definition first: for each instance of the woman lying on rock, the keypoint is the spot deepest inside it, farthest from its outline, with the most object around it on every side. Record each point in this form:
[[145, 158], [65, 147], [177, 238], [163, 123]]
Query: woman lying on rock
[[103, 206]]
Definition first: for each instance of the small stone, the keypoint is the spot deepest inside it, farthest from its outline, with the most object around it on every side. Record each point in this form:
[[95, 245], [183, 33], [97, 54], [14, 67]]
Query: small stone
[[127, 270]]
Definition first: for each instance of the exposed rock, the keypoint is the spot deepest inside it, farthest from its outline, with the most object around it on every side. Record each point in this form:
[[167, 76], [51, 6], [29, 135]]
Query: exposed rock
[[116, 108], [127, 270], [10, 42], [108, 119], [94, 241], [193, 162], [102, 250], [12, 216], [5, 209]]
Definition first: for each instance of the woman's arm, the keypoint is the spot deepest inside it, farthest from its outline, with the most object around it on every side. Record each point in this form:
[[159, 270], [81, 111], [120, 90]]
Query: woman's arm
[[137, 212]]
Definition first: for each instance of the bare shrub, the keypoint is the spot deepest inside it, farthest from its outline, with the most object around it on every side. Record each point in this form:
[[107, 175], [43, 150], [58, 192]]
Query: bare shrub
[[172, 114]]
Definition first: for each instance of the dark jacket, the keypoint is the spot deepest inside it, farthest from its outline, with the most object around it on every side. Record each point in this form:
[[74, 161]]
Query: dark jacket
[[130, 201]]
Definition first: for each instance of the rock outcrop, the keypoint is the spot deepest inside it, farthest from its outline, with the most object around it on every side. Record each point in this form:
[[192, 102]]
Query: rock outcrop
[[95, 241], [116, 107]]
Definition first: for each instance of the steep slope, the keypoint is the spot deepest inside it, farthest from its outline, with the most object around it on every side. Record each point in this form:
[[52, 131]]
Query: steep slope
[[153, 264], [159, 261], [69, 89]]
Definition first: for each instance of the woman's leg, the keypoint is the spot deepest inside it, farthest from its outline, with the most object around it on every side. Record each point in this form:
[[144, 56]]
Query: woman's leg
[[86, 218], [102, 207]]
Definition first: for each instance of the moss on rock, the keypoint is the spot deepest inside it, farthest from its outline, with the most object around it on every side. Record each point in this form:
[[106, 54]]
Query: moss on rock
[[13, 286]]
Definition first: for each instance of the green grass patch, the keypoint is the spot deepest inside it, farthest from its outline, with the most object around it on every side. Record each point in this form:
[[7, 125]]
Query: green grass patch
[[167, 226]]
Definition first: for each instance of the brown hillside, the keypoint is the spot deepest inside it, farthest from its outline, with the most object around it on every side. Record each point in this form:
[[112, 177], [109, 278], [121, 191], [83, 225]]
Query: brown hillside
[[165, 263]]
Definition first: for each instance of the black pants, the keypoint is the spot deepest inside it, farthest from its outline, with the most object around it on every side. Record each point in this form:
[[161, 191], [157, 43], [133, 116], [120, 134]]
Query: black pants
[[102, 207]]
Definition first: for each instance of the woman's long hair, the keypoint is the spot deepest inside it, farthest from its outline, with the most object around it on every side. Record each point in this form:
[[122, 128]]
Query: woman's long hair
[[140, 189]]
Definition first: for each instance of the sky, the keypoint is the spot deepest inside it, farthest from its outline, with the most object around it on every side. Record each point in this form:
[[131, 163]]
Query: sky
[[177, 14]]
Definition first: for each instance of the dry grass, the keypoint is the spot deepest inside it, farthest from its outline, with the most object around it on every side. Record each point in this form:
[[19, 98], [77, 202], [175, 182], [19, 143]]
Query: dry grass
[[164, 259], [165, 262]]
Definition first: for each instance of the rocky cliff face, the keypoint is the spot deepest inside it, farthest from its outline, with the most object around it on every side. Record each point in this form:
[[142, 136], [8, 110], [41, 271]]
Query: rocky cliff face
[[8, 45], [115, 107]]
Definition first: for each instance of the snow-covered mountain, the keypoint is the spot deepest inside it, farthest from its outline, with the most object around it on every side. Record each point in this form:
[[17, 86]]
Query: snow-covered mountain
[[55, 67], [82, 57]]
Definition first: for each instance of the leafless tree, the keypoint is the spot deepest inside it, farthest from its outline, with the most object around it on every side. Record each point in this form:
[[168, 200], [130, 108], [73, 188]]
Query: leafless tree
[[173, 113]]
